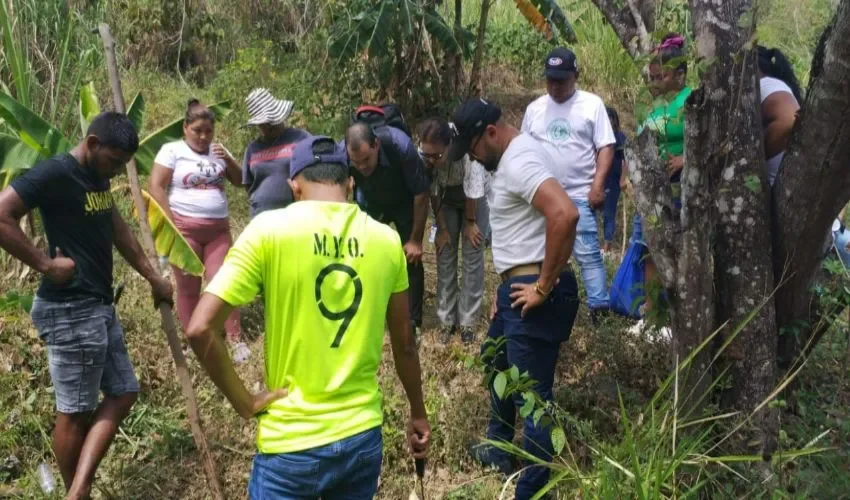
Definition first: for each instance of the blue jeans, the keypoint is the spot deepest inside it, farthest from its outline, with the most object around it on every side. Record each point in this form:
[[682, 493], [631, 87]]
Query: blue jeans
[[637, 230], [86, 353], [532, 344], [589, 257], [347, 469], [609, 211]]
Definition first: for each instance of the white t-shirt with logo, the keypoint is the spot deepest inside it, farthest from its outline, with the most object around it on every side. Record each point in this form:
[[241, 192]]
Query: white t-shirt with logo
[[197, 184], [518, 229], [769, 85], [572, 132]]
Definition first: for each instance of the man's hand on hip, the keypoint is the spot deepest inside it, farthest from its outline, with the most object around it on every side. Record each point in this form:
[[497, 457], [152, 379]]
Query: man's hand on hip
[[413, 252], [261, 401], [527, 296], [61, 269]]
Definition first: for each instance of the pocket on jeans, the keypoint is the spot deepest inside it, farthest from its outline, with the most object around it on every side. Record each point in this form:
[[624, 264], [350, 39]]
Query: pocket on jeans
[[84, 344], [291, 464]]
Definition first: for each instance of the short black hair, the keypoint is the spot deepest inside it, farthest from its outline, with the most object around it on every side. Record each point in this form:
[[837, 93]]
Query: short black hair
[[115, 130], [358, 133], [435, 130], [326, 173]]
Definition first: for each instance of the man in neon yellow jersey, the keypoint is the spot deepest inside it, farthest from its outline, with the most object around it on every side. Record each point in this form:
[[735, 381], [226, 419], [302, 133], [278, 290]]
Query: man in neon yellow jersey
[[331, 276]]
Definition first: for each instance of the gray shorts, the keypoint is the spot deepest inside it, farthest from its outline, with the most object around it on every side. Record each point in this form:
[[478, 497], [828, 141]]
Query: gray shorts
[[85, 351]]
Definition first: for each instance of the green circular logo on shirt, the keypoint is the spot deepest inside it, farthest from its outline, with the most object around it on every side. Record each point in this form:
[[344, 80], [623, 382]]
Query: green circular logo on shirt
[[559, 130]]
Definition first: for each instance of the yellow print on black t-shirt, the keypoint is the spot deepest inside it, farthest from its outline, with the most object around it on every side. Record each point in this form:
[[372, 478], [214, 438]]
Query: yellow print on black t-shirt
[[97, 202]]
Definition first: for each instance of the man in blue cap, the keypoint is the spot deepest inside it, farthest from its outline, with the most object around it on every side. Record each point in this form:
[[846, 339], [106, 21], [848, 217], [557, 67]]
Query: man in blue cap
[[533, 223], [575, 130], [332, 277]]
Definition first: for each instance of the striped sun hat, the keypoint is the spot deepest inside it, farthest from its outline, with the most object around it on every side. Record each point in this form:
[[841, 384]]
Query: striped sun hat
[[264, 108]]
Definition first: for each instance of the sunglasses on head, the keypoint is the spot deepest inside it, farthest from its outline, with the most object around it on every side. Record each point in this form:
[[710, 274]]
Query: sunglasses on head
[[429, 156]]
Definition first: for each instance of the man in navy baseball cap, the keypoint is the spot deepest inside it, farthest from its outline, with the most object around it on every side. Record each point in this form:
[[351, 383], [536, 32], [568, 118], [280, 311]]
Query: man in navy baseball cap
[[561, 64], [315, 151]]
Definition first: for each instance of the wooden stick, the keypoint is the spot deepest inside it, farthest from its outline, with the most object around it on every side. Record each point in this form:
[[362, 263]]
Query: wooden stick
[[168, 324]]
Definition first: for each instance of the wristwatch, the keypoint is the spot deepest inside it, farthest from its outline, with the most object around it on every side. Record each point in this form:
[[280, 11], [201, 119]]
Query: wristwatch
[[540, 290]]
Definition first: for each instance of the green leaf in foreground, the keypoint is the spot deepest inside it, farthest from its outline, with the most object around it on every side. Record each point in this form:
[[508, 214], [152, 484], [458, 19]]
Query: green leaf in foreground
[[499, 384], [559, 440]]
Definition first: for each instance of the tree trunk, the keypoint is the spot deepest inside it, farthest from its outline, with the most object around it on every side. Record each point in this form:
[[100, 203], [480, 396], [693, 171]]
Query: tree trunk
[[715, 259], [812, 187], [632, 21], [724, 132], [455, 65], [475, 74]]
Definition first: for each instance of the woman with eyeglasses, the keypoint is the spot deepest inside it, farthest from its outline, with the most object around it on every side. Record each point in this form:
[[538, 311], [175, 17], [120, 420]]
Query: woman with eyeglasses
[[458, 191]]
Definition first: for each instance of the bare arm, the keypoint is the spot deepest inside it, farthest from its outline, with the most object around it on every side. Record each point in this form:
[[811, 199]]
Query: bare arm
[[604, 161], [160, 180], [13, 239], [561, 220], [208, 318], [405, 354], [779, 112], [130, 249], [420, 214], [471, 209], [232, 169], [438, 214]]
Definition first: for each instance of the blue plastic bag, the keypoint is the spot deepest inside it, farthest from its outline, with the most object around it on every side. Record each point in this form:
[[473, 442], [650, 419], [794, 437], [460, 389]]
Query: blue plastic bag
[[627, 289]]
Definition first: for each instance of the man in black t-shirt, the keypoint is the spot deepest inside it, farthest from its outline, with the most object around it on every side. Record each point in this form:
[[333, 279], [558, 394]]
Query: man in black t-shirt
[[391, 186], [73, 310]]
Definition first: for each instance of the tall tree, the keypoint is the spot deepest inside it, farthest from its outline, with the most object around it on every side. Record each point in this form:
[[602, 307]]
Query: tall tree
[[715, 258]]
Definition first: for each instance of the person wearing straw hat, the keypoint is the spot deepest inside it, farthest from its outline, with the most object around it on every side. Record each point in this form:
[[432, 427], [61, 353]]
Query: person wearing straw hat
[[265, 167]]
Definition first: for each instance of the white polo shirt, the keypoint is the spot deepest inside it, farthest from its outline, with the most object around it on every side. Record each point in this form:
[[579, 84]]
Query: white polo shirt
[[572, 132], [518, 229]]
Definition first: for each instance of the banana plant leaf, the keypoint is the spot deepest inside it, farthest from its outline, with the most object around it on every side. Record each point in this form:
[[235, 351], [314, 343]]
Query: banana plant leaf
[[150, 145], [169, 242], [136, 112], [546, 16], [89, 107], [15, 157], [32, 129]]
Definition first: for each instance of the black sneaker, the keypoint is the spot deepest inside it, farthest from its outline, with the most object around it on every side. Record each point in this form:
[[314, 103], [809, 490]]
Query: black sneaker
[[467, 335], [490, 456], [446, 334]]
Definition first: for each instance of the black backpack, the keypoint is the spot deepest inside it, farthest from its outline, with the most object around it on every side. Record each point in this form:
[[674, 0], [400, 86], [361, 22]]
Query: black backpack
[[386, 114]]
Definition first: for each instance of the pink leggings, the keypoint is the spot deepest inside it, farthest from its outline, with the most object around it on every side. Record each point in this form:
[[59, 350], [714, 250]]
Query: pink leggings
[[210, 239]]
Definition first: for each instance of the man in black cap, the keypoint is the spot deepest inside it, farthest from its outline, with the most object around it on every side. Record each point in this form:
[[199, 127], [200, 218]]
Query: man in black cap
[[533, 225], [574, 128]]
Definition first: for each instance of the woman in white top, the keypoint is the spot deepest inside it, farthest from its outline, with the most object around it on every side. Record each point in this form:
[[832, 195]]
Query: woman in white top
[[780, 102], [188, 183], [458, 199]]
